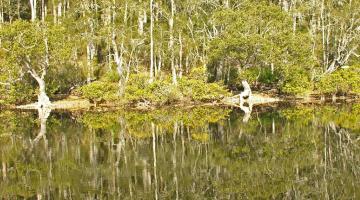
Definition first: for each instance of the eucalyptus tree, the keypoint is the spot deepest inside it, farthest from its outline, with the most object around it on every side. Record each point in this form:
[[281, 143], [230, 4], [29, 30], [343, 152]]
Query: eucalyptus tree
[[259, 37], [342, 25], [32, 48], [333, 26], [26, 45]]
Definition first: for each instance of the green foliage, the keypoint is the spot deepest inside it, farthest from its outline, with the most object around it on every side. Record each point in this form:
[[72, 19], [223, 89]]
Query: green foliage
[[296, 81], [162, 92], [111, 76], [342, 81], [255, 37], [99, 91], [198, 73], [199, 90], [16, 94]]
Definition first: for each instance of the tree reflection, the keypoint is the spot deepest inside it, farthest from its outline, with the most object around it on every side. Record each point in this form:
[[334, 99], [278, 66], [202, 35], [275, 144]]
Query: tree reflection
[[44, 113], [194, 154]]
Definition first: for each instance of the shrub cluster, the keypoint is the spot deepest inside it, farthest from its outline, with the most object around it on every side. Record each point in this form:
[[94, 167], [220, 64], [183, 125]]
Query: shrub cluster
[[160, 92], [342, 81]]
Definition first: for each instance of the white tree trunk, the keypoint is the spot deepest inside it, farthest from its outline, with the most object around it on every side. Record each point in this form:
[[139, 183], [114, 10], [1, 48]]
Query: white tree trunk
[[246, 93], [90, 57], [44, 114], [171, 42], [151, 43], [43, 10], [33, 10], [1, 12], [43, 99], [118, 58], [180, 56]]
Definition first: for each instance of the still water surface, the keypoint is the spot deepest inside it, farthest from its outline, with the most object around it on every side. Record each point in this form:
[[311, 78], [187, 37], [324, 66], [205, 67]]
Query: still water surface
[[291, 152]]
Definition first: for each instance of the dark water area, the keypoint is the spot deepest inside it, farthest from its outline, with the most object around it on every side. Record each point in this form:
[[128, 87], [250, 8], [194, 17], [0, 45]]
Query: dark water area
[[287, 152]]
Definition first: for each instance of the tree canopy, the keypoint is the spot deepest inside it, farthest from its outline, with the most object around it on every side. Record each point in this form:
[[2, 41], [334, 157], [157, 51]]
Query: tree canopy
[[291, 46]]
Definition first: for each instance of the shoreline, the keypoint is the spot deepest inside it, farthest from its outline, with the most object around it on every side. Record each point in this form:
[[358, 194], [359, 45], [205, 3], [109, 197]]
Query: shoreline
[[77, 103]]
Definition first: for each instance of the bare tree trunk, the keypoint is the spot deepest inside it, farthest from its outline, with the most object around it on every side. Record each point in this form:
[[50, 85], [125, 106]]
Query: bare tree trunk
[[151, 43], [90, 57], [180, 56], [43, 99], [171, 42], [43, 10], [246, 93], [33, 5], [44, 114], [118, 57], [54, 12], [1, 12], [323, 34]]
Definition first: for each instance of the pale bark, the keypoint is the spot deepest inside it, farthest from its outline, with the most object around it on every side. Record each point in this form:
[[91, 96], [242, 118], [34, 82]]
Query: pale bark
[[44, 114], [90, 57], [43, 10], [43, 99], [154, 160], [322, 19], [151, 43], [246, 93], [171, 42], [59, 10], [180, 56], [54, 12], [1, 12], [33, 5], [118, 58]]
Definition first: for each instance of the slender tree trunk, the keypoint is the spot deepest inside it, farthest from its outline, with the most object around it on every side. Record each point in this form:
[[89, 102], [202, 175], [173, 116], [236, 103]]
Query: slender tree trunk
[[33, 5], [54, 12], [90, 57], [43, 10], [180, 56], [171, 45], [323, 34], [1, 12], [151, 43], [119, 65]]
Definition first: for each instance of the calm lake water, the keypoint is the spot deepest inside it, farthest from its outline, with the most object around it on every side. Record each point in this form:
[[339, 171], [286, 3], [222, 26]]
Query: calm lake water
[[286, 152]]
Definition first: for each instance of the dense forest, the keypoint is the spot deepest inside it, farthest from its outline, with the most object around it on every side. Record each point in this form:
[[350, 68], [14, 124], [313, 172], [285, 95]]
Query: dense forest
[[158, 52]]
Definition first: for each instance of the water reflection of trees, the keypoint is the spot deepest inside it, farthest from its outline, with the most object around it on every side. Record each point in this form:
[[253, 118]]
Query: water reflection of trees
[[199, 153]]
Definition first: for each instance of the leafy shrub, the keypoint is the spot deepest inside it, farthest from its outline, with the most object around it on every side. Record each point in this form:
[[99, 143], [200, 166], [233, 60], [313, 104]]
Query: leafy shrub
[[111, 76], [136, 88], [341, 81], [99, 91], [18, 93], [159, 92], [163, 92], [198, 73], [199, 90], [296, 81]]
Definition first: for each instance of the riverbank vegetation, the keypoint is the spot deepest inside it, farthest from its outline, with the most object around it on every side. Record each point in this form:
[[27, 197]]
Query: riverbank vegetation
[[158, 52]]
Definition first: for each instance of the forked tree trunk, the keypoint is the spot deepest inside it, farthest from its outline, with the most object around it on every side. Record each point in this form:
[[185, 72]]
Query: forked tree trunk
[[43, 99], [246, 93], [44, 114]]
